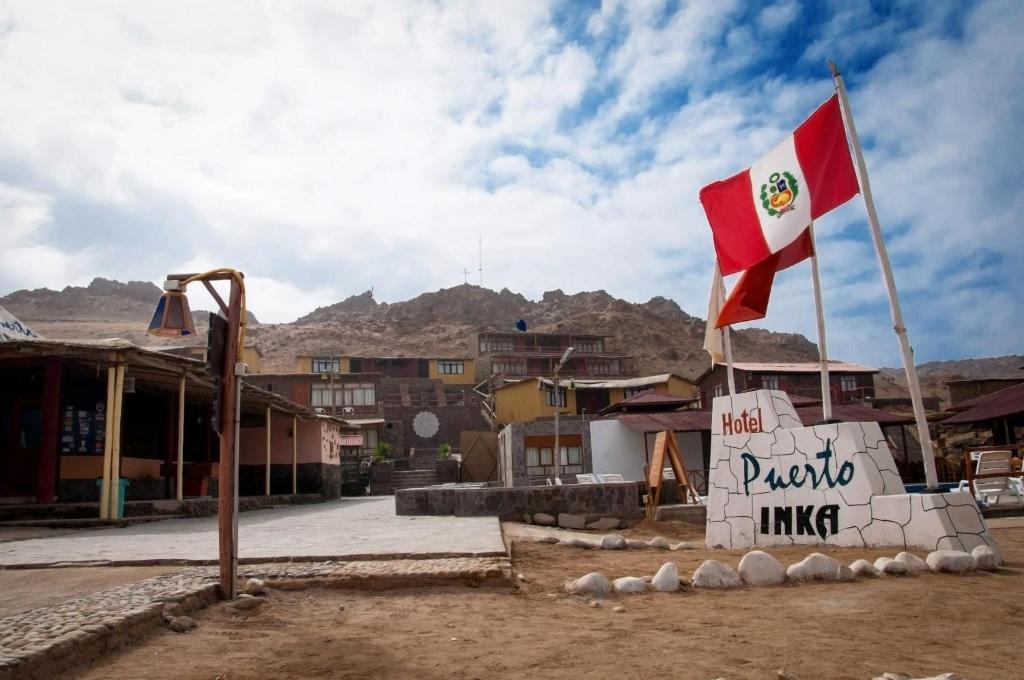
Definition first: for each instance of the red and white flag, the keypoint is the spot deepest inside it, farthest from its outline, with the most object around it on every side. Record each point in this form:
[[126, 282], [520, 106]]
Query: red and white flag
[[760, 217]]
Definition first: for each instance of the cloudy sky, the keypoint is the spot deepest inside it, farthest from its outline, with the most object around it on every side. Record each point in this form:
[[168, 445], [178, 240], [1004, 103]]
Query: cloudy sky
[[325, 148]]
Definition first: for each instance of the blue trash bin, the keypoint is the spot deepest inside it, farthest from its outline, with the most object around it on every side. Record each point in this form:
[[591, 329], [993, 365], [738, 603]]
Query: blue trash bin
[[122, 490]]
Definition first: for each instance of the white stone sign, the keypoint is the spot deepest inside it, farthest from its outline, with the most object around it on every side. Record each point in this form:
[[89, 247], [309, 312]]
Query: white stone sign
[[775, 482], [12, 329]]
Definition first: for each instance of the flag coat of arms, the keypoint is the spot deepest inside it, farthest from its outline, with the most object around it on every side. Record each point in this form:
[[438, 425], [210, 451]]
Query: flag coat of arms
[[760, 217]]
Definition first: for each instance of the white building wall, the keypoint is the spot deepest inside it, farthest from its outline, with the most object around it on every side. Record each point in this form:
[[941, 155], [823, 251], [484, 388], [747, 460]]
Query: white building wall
[[617, 448]]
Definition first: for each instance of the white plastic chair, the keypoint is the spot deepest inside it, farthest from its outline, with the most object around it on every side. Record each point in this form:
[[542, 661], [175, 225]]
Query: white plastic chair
[[612, 477], [586, 479], [991, 462]]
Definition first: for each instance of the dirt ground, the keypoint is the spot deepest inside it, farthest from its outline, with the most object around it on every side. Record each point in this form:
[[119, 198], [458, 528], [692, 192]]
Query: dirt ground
[[25, 589], [923, 625]]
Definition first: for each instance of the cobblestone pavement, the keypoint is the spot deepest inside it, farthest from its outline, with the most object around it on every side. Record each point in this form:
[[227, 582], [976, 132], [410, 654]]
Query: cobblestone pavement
[[349, 528], [39, 642]]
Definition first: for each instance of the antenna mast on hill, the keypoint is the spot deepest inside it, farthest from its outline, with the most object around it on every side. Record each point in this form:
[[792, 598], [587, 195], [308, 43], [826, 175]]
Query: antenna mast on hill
[[465, 276], [480, 261]]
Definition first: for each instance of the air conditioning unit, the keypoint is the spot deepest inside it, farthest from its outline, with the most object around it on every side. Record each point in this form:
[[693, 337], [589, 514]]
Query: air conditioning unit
[[319, 411], [348, 410]]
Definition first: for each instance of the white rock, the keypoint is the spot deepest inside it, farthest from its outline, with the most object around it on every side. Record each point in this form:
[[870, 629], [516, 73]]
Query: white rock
[[914, 564], [636, 543], [577, 543], [569, 521], [619, 609], [544, 519], [950, 561], [246, 603], [845, 574], [591, 584], [667, 578], [685, 545], [986, 558], [613, 542], [548, 539], [890, 567], [813, 567], [254, 586], [182, 624], [864, 568], [714, 574], [758, 568], [658, 542], [629, 584], [605, 523]]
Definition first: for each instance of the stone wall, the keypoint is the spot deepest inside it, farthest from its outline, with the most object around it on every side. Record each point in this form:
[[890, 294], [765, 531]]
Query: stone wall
[[596, 500], [518, 432]]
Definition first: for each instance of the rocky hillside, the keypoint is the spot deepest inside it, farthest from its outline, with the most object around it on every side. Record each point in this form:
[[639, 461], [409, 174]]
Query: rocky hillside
[[892, 382], [442, 323]]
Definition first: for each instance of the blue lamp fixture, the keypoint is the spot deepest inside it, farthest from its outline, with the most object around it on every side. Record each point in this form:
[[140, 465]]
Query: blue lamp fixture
[[172, 317]]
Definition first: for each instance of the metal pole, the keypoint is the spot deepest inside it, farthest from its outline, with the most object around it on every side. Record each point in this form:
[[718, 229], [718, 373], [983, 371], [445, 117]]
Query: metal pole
[[557, 453], [819, 308], [227, 501], [180, 473], [907, 354]]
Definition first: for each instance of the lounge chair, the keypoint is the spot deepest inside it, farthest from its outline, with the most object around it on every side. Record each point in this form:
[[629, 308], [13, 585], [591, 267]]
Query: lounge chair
[[586, 479], [993, 462], [611, 477]]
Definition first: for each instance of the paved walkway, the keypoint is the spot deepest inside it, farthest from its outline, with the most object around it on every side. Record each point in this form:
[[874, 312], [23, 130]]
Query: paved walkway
[[350, 528]]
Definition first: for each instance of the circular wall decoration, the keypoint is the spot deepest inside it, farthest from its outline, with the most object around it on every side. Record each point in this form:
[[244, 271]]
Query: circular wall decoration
[[425, 424]]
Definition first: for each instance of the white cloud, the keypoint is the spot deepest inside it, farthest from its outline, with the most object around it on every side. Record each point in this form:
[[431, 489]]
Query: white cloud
[[327, 148]]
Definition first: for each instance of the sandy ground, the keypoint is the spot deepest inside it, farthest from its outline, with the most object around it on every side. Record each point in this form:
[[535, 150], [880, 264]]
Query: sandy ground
[[25, 589], [922, 625]]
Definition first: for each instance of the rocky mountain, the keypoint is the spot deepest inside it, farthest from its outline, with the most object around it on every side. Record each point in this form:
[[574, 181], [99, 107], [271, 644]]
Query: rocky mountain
[[662, 336], [103, 309]]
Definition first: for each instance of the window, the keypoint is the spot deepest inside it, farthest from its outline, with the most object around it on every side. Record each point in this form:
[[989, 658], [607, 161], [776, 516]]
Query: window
[[605, 367], [572, 460], [717, 391], [848, 383], [369, 442], [508, 366], [540, 461], [496, 345], [549, 397], [451, 366], [359, 394], [769, 382], [326, 365], [589, 346], [320, 396]]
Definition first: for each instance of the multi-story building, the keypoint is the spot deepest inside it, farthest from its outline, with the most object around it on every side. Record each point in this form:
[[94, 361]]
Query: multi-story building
[[419, 403], [848, 382], [514, 356]]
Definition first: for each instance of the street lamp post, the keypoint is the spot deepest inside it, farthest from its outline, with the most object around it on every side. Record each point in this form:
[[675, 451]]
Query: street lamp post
[[174, 319], [557, 458]]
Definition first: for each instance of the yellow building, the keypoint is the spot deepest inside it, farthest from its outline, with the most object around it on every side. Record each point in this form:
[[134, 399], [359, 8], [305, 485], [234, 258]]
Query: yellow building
[[450, 371], [533, 398]]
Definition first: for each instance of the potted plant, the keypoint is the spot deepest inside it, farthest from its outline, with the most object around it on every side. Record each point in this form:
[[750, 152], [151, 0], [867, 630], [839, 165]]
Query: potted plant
[[447, 467], [381, 468]]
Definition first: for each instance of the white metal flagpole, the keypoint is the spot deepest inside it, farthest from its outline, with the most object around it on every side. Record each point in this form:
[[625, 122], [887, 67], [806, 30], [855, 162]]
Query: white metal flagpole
[[819, 308], [727, 348], [927, 455]]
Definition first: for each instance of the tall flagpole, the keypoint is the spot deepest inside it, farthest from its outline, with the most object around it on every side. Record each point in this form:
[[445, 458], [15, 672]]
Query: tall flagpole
[[727, 350], [819, 308], [927, 455]]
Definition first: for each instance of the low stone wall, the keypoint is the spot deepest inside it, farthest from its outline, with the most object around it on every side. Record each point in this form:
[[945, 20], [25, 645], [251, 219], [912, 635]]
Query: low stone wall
[[598, 500]]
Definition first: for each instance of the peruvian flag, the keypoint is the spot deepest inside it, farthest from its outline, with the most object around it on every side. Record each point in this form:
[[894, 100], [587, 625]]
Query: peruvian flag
[[760, 217]]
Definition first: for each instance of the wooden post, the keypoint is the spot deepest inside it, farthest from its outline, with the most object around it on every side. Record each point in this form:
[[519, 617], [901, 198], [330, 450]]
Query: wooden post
[[227, 469], [180, 470], [108, 440], [266, 480], [115, 444], [295, 455]]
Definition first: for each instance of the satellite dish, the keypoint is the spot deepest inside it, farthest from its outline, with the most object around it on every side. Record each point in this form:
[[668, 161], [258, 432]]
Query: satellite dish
[[521, 325]]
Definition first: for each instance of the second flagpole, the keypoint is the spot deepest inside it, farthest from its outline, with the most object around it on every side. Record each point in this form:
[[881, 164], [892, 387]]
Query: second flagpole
[[907, 354], [819, 308]]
